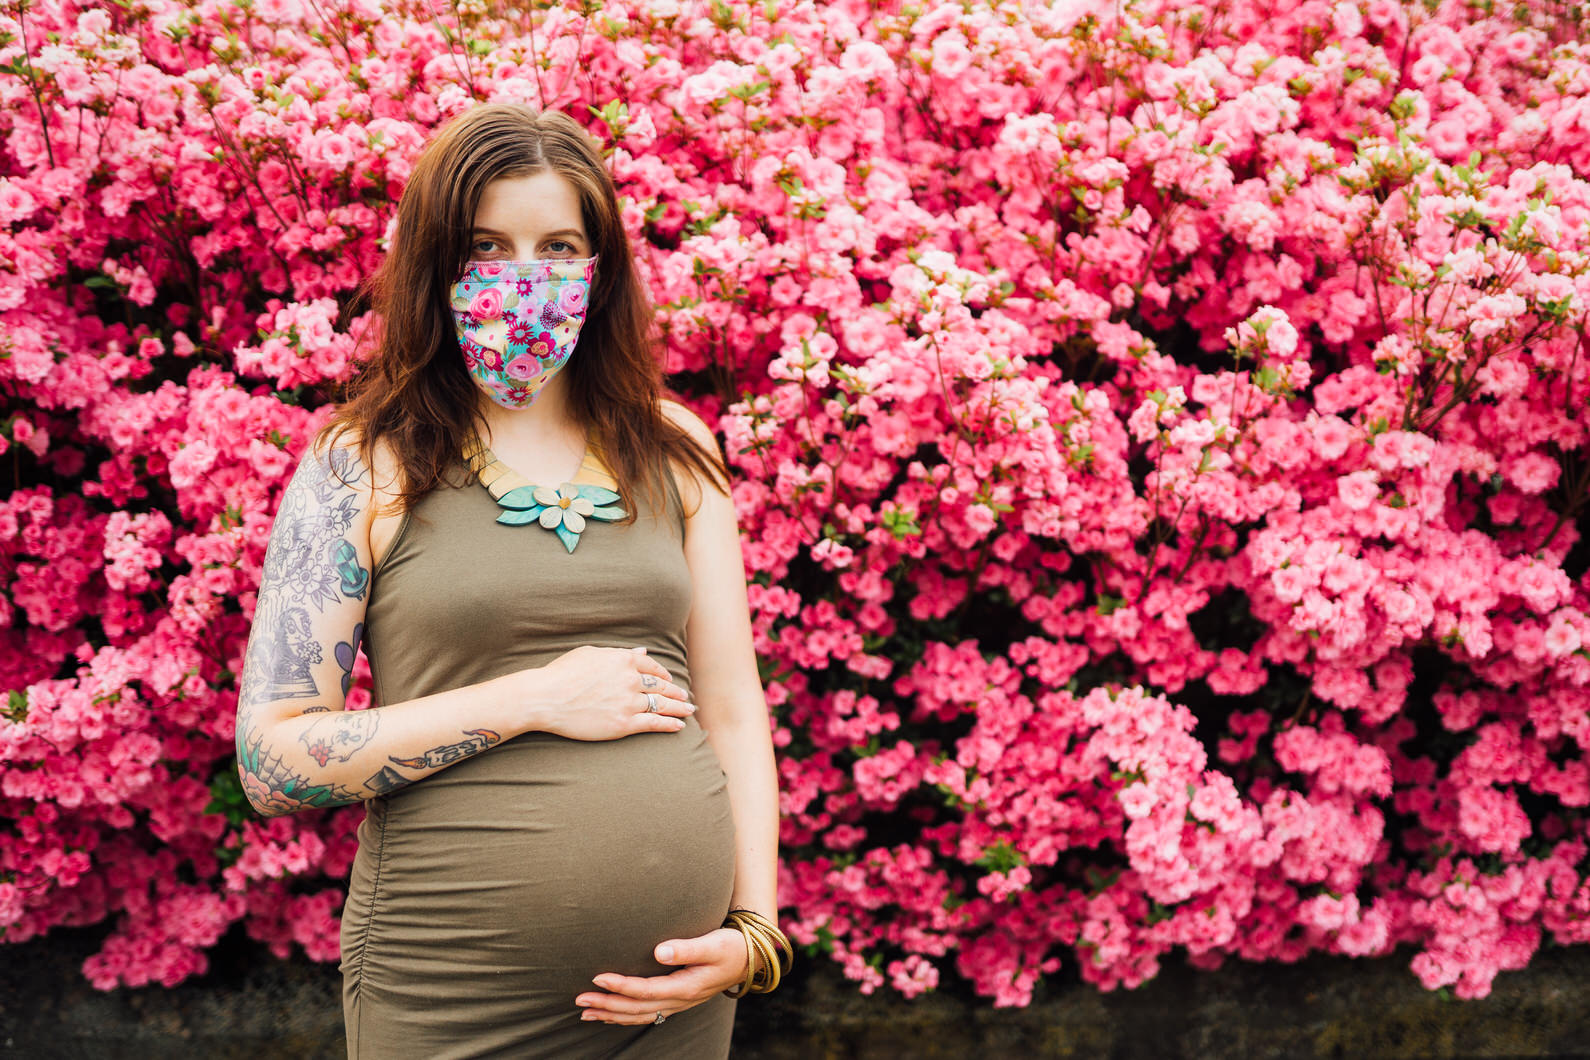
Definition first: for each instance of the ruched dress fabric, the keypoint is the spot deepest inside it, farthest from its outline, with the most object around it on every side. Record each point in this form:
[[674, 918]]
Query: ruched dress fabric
[[486, 896]]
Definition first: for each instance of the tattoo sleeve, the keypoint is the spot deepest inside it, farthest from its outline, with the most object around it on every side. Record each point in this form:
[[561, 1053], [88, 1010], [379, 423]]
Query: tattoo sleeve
[[310, 566]]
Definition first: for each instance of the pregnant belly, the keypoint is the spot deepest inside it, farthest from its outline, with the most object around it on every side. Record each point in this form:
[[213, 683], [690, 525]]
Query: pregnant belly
[[530, 868]]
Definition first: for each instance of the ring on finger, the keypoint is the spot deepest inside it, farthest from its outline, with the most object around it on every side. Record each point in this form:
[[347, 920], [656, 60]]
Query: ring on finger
[[651, 702], [660, 1017]]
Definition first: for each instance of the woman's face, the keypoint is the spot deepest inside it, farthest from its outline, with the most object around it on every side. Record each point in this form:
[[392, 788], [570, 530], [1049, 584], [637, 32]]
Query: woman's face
[[529, 217]]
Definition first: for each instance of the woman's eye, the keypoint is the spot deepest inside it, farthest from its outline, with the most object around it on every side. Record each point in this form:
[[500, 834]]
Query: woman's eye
[[563, 248], [483, 243]]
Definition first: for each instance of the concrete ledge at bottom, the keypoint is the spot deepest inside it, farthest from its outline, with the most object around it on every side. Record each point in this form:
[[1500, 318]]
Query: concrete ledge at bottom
[[252, 1005]]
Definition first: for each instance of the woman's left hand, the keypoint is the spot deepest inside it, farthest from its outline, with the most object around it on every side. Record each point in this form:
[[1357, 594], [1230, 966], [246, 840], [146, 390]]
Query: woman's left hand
[[709, 964]]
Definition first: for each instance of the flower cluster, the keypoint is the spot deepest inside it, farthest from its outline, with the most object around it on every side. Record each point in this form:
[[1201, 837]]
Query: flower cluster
[[1159, 437]]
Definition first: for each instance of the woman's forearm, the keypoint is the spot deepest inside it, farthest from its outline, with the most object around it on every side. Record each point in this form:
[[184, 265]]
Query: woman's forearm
[[293, 758], [745, 749]]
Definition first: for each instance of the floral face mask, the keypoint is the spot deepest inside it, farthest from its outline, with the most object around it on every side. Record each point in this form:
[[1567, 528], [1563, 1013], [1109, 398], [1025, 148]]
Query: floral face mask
[[518, 321]]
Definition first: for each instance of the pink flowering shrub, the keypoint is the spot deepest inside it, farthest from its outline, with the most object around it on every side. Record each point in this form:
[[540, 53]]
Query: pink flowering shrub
[[1159, 435]]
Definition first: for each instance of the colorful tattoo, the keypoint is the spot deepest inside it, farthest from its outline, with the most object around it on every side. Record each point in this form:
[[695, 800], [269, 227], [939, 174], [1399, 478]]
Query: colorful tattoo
[[339, 735], [345, 653], [387, 780], [436, 757], [354, 577], [273, 786]]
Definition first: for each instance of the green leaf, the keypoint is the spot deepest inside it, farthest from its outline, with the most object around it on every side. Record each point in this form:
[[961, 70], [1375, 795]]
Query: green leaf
[[521, 518], [227, 798], [1001, 857], [901, 524]]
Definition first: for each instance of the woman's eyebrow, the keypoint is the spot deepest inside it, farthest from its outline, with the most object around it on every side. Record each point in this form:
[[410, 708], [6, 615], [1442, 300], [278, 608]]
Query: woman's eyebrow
[[481, 230]]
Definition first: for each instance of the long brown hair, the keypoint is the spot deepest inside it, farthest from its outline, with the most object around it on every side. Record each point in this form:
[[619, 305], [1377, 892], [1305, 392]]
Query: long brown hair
[[414, 391]]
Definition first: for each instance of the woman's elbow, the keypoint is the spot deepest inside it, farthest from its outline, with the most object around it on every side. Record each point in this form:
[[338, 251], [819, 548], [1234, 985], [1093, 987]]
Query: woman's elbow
[[266, 800]]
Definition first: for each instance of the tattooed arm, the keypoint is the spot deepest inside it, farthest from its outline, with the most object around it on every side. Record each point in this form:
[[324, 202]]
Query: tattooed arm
[[298, 748]]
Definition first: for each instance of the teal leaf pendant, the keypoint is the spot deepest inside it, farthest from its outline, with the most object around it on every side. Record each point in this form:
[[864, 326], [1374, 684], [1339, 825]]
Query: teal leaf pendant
[[519, 518], [517, 499], [570, 513]]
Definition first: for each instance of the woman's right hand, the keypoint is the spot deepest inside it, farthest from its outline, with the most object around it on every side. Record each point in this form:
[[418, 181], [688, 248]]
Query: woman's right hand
[[600, 694]]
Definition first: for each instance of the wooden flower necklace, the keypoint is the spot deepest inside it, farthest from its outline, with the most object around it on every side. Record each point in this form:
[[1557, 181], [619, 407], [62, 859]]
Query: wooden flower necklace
[[565, 509]]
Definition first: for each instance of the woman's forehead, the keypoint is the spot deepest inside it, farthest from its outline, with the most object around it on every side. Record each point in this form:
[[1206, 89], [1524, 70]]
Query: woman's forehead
[[537, 204]]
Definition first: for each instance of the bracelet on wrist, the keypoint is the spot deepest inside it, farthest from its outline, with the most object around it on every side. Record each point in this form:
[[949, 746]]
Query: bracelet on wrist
[[763, 940]]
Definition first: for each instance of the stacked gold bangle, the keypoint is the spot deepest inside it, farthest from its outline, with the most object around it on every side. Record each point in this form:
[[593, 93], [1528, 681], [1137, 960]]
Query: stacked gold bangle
[[762, 939]]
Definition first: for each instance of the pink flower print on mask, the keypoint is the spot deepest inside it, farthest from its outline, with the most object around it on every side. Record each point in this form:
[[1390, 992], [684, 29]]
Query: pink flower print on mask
[[571, 299], [491, 270], [488, 358], [487, 304], [523, 369], [542, 346], [474, 352], [551, 316]]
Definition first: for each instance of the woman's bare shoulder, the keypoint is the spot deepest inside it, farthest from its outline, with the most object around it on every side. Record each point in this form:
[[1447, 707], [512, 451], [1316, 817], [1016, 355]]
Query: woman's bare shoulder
[[689, 479], [380, 467]]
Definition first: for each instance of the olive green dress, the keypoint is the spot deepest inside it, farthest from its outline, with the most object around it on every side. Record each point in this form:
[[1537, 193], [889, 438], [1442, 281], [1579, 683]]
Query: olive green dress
[[486, 896]]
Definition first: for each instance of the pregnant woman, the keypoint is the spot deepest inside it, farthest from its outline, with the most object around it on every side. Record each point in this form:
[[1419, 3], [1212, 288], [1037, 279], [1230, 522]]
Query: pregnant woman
[[570, 839]]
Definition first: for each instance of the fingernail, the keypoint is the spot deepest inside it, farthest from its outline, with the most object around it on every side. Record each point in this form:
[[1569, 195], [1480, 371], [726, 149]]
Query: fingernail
[[665, 953], [583, 1003], [598, 982], [587, 1015]]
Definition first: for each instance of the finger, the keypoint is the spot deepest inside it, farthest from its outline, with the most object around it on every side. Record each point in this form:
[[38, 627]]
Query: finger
[[658, 722], [630, 1006], [628, 1019], [673, 706], [663, 687], [677, 987], [688, 951], [647, 665]]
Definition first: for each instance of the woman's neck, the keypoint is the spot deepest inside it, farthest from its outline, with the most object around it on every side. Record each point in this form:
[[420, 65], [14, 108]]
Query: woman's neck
[[546, 421]]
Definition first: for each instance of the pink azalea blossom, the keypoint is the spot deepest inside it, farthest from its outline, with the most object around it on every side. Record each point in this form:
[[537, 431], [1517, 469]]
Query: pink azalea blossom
[[1047, 415]]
